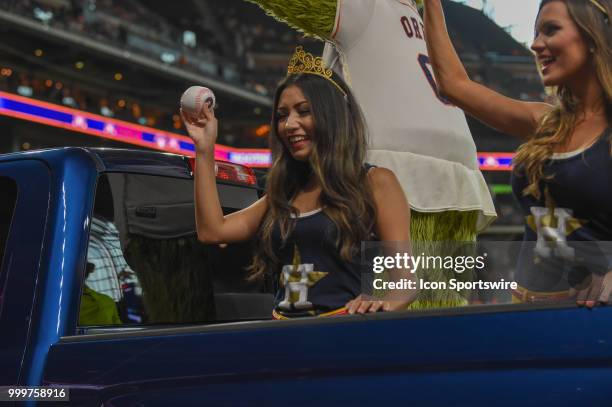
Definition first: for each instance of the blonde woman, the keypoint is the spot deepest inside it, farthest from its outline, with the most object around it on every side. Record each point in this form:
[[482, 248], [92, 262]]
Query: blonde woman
[[564, 168]]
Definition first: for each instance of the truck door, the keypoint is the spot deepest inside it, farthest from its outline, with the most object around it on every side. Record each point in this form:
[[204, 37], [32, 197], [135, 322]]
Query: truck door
[[24, 199]]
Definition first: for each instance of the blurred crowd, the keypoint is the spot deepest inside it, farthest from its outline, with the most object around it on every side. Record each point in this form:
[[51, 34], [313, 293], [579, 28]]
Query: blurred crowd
[[230, 40], [76, 96], [218, 44], [222, 46]]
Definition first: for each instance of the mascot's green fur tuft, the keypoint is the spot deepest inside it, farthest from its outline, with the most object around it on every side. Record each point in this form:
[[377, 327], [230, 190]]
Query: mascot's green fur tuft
[[315, 18], [443, 226], [442, 233]]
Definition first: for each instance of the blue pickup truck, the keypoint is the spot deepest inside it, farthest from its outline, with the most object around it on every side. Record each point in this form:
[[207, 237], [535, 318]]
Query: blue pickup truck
[[105, 291]]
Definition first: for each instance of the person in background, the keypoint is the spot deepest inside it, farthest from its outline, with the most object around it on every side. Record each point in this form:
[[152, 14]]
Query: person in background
[[96, 308]]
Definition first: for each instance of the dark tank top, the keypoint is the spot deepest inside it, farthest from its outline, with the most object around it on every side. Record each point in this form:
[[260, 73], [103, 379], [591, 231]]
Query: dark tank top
[[574, 211], [313, 278]]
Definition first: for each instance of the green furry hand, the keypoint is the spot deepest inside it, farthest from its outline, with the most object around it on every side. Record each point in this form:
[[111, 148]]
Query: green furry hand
[[314, 18]]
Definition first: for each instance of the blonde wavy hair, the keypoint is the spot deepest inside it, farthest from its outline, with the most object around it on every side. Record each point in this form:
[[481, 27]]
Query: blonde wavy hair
[[557, 125]]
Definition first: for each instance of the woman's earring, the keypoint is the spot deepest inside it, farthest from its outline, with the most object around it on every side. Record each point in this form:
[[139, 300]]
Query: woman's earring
[[592, 50]]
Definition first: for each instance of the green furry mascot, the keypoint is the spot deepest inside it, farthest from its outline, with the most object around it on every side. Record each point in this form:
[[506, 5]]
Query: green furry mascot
[[379, 48]]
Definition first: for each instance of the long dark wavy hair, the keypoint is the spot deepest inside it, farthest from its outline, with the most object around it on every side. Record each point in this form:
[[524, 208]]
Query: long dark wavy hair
[[557, 125], [339, 147]]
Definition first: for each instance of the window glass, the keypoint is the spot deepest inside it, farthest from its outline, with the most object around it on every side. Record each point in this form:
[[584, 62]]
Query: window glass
[[7, 208], [145, 265]]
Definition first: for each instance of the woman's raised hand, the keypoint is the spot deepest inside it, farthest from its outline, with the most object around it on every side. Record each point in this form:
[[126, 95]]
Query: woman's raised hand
[[202, 130]]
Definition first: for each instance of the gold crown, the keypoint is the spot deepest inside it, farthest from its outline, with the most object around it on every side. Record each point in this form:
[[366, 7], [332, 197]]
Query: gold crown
[[303, 62]]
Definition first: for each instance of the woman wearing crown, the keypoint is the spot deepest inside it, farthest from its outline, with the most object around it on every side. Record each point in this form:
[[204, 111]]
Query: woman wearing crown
[[379, 49], [321, 199]]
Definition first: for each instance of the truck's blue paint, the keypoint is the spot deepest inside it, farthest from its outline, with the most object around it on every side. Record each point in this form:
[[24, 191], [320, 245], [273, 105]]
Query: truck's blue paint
[[21, 262], [488, 355], [63, 258], [497, 358]]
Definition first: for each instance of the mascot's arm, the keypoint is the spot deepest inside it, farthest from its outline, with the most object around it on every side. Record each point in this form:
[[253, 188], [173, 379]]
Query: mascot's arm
[[312, 17]]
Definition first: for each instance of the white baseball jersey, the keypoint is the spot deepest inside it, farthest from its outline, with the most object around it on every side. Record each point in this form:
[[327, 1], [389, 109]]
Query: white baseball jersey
[[379, 48]]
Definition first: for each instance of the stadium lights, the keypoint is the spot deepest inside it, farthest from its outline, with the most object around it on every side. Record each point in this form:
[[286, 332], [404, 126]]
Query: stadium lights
[[167, 57], [38, 52], [263, 130], [118, 76], [106, 111], [495, 161], [42, 15], [69, 101], [189, 39], [79, 65], [25, 90], [96, 125], [501, 189]]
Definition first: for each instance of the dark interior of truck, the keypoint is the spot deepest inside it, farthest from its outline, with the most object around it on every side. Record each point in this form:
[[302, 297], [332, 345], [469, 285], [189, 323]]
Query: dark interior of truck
[[146, 258]]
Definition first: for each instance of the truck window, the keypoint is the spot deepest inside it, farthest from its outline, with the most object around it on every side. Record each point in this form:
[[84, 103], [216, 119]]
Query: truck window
[[7, 207], [145, 265]]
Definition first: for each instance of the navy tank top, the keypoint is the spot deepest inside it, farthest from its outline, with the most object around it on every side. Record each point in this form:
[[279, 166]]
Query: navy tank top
[[313, 279], [574, 208]]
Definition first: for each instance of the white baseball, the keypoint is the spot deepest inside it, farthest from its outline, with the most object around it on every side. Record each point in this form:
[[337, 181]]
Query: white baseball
[[193, 99]]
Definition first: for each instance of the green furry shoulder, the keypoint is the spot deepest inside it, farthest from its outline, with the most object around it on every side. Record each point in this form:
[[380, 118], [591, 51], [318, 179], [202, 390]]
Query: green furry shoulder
[[314, 18]]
